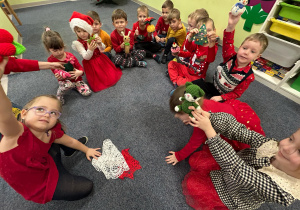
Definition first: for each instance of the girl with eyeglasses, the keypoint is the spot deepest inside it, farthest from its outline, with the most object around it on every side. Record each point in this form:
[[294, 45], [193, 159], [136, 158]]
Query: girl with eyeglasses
[[29, 161]]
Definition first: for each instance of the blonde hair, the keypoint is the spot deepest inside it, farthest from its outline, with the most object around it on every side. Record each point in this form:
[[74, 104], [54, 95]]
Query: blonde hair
[[198, 15], [261, 38], [174, 99], [174, 13], [52, 40], [143, 8], [168, 4], [94, 15], [205, 21], [118, 14]]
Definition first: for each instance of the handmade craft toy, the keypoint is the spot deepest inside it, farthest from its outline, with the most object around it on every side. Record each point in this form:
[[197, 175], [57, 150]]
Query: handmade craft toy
[[201, 37], [239, 7], [192, 94], [8, 46], [68, 67], [150, 27], [175, 48], [91, 38], [126, 42]]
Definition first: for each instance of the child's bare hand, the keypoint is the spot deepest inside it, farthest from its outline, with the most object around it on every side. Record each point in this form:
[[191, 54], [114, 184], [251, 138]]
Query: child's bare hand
[[232, 21], [157, 39], [92, 152], [200, 120], [216, 98], [163, 39], [122, 45], [98, 40], [92, 46], [76, 73], [2, 65], [57, 76], [171, 159], [212, 37], [136, 32], [193, 32]]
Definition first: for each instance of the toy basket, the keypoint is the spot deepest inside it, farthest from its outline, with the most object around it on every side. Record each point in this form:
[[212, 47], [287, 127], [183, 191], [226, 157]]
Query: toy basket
[[296, 84], [290, 11], [286, 29]]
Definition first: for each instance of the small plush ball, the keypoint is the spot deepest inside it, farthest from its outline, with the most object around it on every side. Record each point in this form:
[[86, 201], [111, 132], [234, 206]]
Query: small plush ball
[[7, 49], [150, 28]]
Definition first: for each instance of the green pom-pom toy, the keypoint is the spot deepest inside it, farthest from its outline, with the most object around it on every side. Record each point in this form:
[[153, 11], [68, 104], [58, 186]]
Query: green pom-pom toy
[[192, 94]]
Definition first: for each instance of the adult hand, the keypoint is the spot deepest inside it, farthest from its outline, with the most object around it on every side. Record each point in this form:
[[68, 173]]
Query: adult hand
[[92, 152], [56, 65], [171, 159], [2, 65]]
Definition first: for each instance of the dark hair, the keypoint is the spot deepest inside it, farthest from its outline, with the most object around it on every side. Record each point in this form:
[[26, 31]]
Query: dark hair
[[118, 14], [168, 4], [52, 40], [94, 15], [174, 99]]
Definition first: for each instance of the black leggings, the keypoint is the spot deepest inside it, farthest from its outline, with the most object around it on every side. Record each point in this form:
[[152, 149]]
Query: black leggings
[[207, 87], [69, 187], [150, 48]]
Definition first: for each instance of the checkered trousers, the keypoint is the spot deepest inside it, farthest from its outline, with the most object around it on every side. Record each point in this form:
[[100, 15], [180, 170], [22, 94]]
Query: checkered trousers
[[238, 184]]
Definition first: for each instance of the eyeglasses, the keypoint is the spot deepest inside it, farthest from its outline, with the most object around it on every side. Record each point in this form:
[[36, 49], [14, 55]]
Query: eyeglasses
[[41, 111]]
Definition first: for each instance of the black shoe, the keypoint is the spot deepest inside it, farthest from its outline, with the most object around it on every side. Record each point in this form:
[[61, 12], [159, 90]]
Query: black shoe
[[164, 59], [70, 151]]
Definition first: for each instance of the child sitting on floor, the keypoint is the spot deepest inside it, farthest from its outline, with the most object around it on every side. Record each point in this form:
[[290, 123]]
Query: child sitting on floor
[[104, 37], [143, 38], [200, 56], [100, 72], [234, 76], [162, 24], [66, 80], [125, 56], [176, 33]]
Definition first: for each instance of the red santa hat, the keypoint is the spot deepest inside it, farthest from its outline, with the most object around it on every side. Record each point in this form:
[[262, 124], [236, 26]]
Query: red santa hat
[[82, 21]]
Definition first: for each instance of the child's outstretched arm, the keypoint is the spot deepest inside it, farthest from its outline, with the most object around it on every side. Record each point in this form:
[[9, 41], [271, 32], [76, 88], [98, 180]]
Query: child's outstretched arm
[[232, 21], [9, 126], [73, 143]]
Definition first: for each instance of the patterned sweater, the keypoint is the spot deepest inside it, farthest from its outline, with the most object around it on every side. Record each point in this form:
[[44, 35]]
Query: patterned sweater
[[228, 53], [238, 183]]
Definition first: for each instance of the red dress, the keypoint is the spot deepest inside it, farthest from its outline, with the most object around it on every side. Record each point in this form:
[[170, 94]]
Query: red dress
[[197, 185], [29, 169], [100, 72]]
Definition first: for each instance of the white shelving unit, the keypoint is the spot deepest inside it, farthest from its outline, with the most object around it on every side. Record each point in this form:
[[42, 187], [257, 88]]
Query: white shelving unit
[[279, 51]]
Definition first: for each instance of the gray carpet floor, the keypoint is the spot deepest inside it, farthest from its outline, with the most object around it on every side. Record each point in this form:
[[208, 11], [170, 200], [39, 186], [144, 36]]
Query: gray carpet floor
[[133, 114]]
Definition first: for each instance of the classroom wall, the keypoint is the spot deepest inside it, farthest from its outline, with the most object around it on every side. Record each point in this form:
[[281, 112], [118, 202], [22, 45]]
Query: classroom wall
[[14, 2], [6, 24], [217, 9]]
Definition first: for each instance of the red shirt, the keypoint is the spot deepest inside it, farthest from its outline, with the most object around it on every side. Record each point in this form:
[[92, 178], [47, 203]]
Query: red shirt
[[161, 27], [21, 65], [117, 40], [29, 169], [73, 60], [141, 32], [228, 51]]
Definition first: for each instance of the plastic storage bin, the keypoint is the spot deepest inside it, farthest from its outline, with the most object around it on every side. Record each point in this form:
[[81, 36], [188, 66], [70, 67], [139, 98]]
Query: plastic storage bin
[[290, 11], [281, 52], [296, 84], [286, 29]]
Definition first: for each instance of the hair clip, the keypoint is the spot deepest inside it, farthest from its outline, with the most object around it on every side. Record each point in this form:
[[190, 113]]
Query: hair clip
[[47, 29]]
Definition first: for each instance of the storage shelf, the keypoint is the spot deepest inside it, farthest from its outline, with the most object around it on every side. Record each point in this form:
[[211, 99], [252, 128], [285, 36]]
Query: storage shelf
[[293, 48]]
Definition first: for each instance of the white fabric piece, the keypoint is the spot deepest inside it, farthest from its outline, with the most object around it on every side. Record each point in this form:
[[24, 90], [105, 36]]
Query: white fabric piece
[[86, 54], [111, 162]]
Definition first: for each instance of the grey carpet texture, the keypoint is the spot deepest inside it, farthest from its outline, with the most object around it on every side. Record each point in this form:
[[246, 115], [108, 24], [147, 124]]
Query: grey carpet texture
[[133, 114]]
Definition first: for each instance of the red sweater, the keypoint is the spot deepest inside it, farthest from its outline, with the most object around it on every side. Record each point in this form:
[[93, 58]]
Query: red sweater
[[29, 169], [242, 111], [141, 32], [73, 60], [161, 27], [117, 40], [228, 52], [21, 65]]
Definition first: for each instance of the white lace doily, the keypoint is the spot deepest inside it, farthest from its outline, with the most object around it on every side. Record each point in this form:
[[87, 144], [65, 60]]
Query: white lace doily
[[111, 162]]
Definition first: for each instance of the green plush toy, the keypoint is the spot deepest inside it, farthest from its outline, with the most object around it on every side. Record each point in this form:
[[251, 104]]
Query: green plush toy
[[91, 39], [68, 67], [192, 94]]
